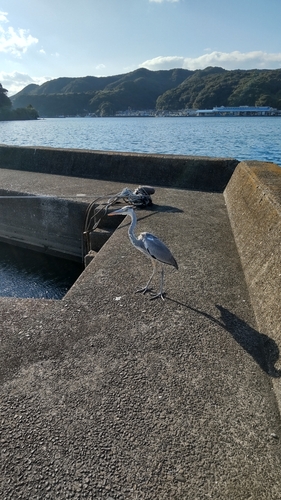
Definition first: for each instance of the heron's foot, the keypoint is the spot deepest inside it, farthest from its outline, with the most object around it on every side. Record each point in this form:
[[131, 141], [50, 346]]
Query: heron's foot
[[143, 290], [160, 294]]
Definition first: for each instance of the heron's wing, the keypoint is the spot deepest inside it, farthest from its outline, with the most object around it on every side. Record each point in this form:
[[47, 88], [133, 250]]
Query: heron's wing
[[157, 249]]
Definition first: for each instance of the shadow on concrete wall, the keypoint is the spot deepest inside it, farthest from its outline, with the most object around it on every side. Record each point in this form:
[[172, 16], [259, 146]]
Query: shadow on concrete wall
[[262, 348]]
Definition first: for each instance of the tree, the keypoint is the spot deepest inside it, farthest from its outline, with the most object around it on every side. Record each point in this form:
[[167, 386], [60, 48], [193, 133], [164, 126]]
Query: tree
[[4, 99], [8, 113]]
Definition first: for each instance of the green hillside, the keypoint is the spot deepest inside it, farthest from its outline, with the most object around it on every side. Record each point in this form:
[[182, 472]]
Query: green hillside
[[8, 113], [218, 87], [162, 90], [102, 96]]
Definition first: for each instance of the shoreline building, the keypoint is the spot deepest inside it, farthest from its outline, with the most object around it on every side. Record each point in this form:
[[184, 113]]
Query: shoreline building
[[238, 111]]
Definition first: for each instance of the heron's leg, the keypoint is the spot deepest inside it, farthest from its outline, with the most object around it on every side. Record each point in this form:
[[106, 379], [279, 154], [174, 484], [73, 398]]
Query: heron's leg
[[161, 293], [145, 289]]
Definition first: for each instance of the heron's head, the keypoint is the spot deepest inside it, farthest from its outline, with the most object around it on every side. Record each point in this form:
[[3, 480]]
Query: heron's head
[[123, 211]]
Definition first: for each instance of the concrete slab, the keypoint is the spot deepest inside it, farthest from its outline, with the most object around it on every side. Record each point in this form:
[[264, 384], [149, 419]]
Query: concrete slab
[[108, 395]]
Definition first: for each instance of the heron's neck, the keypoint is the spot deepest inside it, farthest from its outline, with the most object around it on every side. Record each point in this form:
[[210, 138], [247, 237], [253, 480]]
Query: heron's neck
[[131, 233]]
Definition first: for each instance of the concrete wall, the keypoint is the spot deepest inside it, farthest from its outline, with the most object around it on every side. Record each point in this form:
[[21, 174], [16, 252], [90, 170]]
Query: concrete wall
[[204, 174], [253, 198], [46, 224]]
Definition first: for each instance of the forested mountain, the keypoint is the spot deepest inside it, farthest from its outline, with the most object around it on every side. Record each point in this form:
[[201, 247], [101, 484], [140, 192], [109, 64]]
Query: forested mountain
[[8, 113], [162, 90], [218, 87], [102, 96]]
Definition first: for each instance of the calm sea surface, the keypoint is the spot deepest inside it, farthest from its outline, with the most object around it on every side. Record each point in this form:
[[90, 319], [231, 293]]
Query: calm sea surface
[[243, 138], [27, 274]]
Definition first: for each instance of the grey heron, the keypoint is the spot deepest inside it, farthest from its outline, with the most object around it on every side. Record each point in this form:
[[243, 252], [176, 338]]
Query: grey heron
[[151, 246]]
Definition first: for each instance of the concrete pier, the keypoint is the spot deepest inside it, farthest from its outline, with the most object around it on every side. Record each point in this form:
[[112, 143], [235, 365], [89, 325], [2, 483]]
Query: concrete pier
[[108, 395]]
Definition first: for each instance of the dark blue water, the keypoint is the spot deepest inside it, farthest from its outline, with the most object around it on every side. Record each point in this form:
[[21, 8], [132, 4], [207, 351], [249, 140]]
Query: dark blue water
[[243, 138], [28, 274]]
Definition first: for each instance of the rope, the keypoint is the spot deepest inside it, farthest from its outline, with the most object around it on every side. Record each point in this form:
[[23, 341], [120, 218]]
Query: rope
[[140, 197]]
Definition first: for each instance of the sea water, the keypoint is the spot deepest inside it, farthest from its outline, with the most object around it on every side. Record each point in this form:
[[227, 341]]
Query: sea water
[[28, 274], [243, 138]]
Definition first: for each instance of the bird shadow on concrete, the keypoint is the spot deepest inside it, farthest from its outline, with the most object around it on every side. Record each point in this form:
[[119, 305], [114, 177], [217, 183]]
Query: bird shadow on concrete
[[153, 210], [164, 208], [262, 348]]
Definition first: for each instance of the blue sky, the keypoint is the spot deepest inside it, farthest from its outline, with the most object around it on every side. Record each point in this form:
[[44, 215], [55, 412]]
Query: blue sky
[[45, 39]]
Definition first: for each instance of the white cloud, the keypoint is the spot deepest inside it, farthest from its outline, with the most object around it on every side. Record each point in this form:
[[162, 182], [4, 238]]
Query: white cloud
[[3, 17], [12, 41], [235, 60], [227, 60], [14, 82], [163, 62]]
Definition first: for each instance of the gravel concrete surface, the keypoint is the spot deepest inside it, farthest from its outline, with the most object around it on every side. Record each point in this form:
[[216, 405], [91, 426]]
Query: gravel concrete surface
[[108, 395]]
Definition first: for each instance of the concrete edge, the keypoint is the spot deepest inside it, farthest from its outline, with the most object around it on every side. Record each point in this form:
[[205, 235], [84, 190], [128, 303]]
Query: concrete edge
[[253, 200], [253, 197]]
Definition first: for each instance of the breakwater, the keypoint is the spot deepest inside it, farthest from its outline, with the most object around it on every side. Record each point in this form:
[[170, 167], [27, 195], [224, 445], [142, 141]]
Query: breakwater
[[81, 378], [53, 222], [50, 220]]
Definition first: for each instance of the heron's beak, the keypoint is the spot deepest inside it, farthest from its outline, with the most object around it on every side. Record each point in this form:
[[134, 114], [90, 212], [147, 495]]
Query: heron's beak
[[116, 212]]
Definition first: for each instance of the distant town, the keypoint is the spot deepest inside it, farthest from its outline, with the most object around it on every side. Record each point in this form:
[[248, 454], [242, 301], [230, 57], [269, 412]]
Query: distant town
[[215, 111]]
